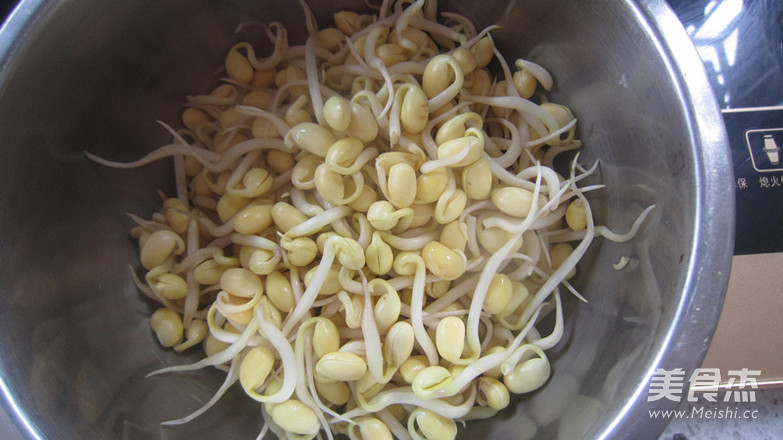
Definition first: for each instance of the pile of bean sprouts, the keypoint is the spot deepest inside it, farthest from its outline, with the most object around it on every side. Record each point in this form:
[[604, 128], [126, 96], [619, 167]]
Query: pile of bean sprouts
[[368, 228]]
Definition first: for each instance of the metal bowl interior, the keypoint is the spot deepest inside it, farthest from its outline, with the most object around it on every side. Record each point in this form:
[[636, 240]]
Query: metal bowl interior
[[94, 75]]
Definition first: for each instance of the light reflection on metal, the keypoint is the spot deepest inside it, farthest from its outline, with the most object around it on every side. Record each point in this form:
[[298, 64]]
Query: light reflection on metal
[[716, 40]]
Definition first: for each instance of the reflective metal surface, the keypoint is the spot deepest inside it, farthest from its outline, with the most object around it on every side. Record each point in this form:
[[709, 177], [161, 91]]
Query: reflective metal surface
[[94, 75]]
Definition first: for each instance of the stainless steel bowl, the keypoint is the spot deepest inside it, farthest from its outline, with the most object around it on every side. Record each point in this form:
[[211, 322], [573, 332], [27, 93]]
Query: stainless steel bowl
[[95, 75]]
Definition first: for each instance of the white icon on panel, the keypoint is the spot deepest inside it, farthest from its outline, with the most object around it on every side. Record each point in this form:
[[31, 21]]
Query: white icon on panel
[[772, 150], [764, 148]]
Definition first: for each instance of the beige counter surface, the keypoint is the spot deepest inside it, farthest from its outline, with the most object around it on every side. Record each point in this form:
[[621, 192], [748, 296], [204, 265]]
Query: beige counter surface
[[750, 329]]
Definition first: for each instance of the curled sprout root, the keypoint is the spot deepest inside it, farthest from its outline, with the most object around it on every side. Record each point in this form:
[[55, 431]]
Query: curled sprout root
[[367, 229]]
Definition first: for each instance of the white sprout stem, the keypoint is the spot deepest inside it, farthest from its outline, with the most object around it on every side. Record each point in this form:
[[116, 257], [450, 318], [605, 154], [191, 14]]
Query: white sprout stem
[[242, 148], [575, 292], [431, 10], [521, 180], [532, 253], [287, 359], [334, 58], [342, 227], [542, 121], [254, 241], [384, 10], [356, 347], [231, 377], [469, 29], [522, 353], [489, 332], [375, 106], [486, 363], [452, 90], [412, 147], [476, 206], [215, 322], [537, 71], [227, 308], [372, 338], [192, 295], [218, 358], [395, 130], [361, 64], [145, 289], [365, 230], [472, 244], [310, 375], [381, 176], [557, 333], [569, 235], [313, 86], [197, 257], [270, 424], [404, 396], [404, 20], [455, 293], [512, 153], [404, 282], [436, 28], [507, 176], [314, 224], [428, 142], [349, 333], [491, 144], [398, 431], [476, 264], [434, 164], [510, 89], [358, 182], [554, 135], [200, 152], [569, 263], [303, 393], [347, 282], [300, 202], [198, 101], [264, 429], [217, 230], [311, 292], [180, 179], [148, 224], [280, 47], [279, 123], [551, 218], [239, 172], [409, 244], [310, 21], [376, 63], [281, 180], [296, 282], [540, 223], [548, 174], [407, 68], [359, 162], [417, 304], [493, 264], [157, 154], [622, 238]]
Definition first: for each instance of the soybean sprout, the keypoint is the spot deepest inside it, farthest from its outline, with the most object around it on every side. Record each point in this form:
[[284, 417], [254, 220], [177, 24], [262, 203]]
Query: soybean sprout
[[367, 229]]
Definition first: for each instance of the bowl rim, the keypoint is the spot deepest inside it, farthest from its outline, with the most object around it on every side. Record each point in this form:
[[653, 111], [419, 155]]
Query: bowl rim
[[710, 252]]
